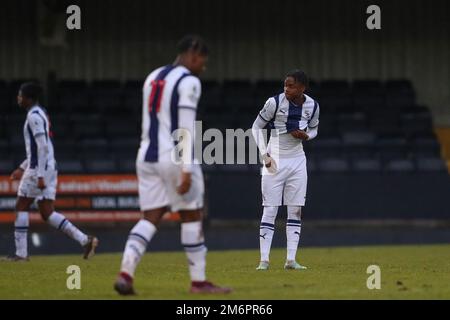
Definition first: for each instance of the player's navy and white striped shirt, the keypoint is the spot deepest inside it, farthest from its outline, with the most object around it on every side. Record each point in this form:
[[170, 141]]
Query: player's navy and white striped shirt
[[286, 117], [165, 90], [36, 124]]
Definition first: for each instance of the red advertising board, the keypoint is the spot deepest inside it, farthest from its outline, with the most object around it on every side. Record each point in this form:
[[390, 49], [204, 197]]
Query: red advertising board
[[84, 198]]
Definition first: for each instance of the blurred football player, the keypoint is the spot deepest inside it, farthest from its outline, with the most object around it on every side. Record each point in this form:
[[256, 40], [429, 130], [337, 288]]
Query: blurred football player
[[38, 177], [170, 97]]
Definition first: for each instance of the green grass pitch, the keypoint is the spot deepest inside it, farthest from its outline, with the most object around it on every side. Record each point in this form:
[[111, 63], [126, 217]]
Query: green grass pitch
[[407, 272]]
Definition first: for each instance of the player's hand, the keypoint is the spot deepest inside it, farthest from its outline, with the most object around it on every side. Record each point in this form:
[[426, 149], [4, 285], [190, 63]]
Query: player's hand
[[300, 134], [17, 174], [41, 183], [185, 183], [270, 163]]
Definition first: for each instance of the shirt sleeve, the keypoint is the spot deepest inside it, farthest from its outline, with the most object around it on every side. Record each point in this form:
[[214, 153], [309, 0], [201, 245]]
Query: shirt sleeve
[[268, 111], [313, 125], [36, 124], [265, 115], [314, 122], [189, 90]]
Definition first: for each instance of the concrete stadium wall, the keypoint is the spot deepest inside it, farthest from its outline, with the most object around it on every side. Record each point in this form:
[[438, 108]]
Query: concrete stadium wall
[[237, 195], [253, 39]]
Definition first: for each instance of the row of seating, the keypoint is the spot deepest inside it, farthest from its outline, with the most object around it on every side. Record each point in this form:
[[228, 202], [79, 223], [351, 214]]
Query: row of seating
[[111, 96], [315, 165]]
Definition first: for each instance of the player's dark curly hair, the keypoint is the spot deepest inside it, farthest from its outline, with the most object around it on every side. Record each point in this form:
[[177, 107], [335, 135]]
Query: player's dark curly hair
[[192, 42], [31, 90], [299, 77]]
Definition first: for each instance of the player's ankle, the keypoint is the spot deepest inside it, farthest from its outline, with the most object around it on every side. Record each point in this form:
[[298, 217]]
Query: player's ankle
[[126, 276]]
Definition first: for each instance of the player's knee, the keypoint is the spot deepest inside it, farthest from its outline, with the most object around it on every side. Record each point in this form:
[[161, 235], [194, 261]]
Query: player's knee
[[270, 212], [191, 215], [294, 212]]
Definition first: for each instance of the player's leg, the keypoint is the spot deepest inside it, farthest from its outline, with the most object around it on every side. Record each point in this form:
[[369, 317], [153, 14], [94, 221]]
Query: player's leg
[[153, 200], [21, 225], [190, 207], [60, 222], [272, 192], [135, 247], [294, 199]]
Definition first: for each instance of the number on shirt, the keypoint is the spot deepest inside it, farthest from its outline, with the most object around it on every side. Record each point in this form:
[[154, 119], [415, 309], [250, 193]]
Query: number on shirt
[[156, 95]]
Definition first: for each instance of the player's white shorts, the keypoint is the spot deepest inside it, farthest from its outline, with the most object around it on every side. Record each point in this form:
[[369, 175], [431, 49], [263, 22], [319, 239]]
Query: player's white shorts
[[28, 185], [158, 182], [288, 183]]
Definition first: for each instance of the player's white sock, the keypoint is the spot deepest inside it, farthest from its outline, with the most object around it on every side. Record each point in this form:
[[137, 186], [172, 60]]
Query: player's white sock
[[58, 221], [293, 230], [193, 240], [136, 245], [266, 231], [20, 233]]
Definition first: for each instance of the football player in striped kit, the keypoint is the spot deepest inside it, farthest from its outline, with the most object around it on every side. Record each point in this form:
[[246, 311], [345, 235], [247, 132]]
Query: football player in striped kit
[[293, 117], [170, 97]]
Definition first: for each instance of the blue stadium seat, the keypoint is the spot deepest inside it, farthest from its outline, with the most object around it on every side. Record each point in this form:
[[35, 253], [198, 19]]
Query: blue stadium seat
[[132, 96], [72, 166], [426, 146], [127, 165], [238, 94], [368, 94], [431, 165], [356, 121], [326, 147], [335, 94], [400, 93], [106, 96], [393, 147], [100, 166], [73, 95], [400, 166], [333, 165], [366, 165], [359, 144], [7, 165]]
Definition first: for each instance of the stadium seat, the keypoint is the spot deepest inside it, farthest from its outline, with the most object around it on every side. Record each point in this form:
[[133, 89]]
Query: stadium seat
[[400, 166], [211, 95], [359, 144], [335, 94], [73, 95], [326, 147], [392, 147], [5, 97], [265, 89], [88, 129], [7, 166], [426, 146], [399, 93], [366, 165], [238, 94], [4, 147], [132, 96], [122, 129], [311, 165], [127, 165], [124, 148], [368, 94], [431, 165], [106, 96], [416, 123], [333, 165], [100, 166], [73, 166], [96, 146], [356, 121]]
